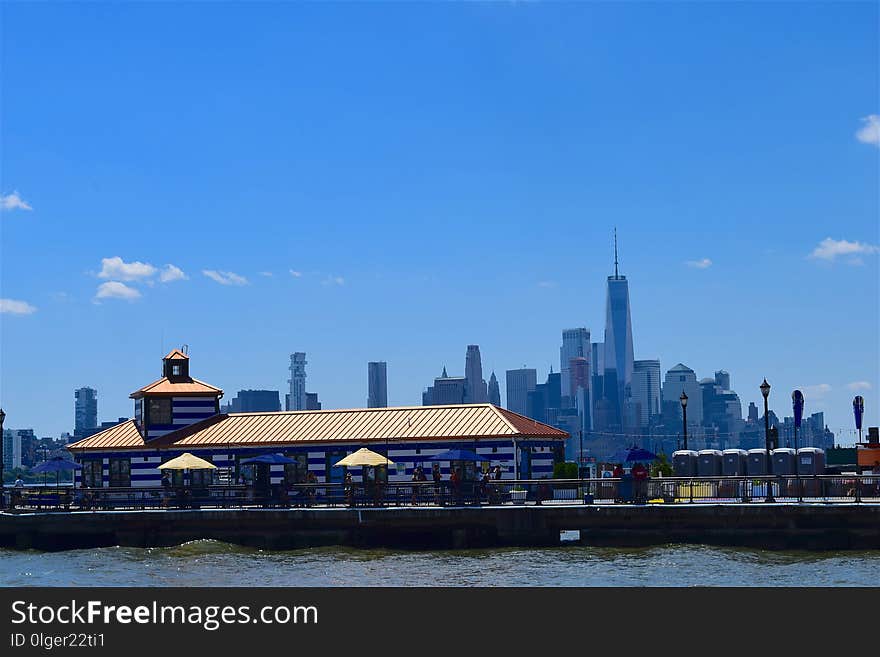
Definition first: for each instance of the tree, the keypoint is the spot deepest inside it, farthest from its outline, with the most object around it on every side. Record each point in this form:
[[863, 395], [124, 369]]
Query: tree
[[566, 470], [661, 466]]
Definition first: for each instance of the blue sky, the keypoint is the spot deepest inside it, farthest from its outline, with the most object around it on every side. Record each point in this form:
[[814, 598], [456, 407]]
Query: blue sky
[[436, 175]]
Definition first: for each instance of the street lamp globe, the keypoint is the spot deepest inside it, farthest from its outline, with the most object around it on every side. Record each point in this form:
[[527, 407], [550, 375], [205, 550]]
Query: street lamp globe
[[765, 389], [683, 399]]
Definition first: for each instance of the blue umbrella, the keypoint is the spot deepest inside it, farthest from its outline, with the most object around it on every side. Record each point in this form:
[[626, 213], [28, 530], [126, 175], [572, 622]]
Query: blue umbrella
[[271, 459], [638, 454], [457, 455], [57, 465]]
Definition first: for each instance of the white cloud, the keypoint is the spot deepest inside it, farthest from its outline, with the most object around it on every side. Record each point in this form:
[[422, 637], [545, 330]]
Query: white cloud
[[859, 385], [225, 277], [267, 274], [703, 263], [116, 267], [334, 280], [13, 202], [816, 392], [14, 307], [296, 274], [116, 290], [869, 133], [171, 273], [831, 249]]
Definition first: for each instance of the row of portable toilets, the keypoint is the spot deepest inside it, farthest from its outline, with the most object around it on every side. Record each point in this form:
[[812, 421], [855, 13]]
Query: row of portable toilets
[[742, 463]]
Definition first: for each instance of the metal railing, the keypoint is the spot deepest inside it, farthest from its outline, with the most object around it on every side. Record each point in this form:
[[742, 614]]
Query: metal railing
[[828, 489]]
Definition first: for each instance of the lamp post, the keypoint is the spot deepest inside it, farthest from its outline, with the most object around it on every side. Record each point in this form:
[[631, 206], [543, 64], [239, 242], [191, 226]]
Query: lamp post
[[2, 488], [765, 392], [581, 454], [684, 417]]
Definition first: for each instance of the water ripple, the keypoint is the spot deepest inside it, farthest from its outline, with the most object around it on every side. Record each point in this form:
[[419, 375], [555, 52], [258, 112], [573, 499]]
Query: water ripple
[[212, 563]]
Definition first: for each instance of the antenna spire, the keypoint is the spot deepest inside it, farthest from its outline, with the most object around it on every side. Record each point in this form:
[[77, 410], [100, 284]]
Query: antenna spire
[[615, 253]]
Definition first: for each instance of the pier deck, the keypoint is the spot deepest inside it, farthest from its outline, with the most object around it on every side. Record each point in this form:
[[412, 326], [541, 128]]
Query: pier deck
[[766, 525]]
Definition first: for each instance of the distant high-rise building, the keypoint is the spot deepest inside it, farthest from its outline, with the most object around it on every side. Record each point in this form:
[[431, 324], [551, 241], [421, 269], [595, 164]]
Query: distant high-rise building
[[473, 372], [85, 412], [544, 402], [448, 390], [618, 342], [19, 448], [722, 379], [645, 391], [579, 377], [494, 391], [312, 403], [256, 401], [519, 384], [575, 344], [296, 400], [11, 449], [753, 412], [597, 383], [682, 378], [377, 384], [580, 392]]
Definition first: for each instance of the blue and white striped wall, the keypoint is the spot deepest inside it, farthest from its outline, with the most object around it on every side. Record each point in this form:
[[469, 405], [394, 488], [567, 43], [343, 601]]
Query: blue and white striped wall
[[406, 456], [185, 411]]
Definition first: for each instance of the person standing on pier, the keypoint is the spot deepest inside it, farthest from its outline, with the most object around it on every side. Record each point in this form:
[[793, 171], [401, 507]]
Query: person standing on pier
[[435, 475]]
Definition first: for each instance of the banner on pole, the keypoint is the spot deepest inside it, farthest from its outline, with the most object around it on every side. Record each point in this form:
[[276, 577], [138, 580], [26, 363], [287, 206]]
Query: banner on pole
[[797, 402], [858, 410]]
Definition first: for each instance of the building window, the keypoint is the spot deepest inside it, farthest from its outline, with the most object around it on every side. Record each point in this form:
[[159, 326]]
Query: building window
[[202, 478], [120, 473], [91, 473], [160, 411], [175, 370], [296, 473]]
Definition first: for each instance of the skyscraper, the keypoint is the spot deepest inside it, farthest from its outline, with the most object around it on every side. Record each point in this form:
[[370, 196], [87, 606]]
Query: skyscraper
[[618, 342], [575, 344], [473, 372], [494, 390], [447, 390], [519, 384], [682, 378], [377, 382], [296, 400], [11, 449], [645, 390], [544, 402], [256, 401], [85, 412]]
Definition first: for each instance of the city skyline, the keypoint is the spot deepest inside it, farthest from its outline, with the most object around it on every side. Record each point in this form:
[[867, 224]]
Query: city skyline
[[422, 202]]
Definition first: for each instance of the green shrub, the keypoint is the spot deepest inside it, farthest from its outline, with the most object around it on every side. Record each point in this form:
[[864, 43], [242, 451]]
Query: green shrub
[[565, 470]]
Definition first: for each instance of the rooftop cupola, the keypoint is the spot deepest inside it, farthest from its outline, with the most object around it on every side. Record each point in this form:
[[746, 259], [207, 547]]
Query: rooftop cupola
[[175, 366], [174, 401]]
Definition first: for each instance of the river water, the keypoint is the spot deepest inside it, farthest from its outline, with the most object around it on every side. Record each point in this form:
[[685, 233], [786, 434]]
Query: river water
[[211, 563]]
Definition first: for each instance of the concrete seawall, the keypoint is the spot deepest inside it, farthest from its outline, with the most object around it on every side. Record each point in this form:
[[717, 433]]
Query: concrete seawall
[[772, 526]]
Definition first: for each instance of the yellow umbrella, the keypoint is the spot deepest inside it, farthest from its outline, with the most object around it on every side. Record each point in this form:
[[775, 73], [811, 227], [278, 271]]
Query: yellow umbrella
[[364, 456], [187, 461]]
